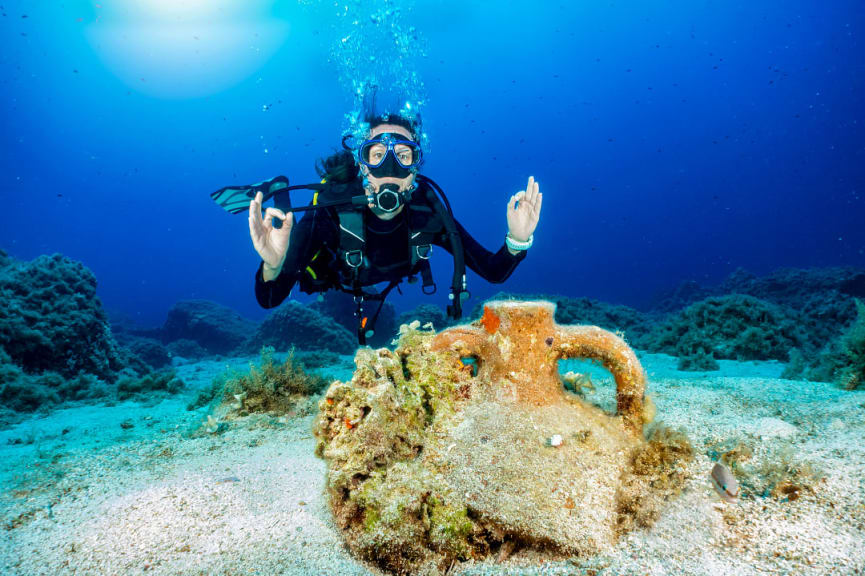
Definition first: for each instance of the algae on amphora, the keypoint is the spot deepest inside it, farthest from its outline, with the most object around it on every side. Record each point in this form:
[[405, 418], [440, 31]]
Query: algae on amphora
[[433, 459]]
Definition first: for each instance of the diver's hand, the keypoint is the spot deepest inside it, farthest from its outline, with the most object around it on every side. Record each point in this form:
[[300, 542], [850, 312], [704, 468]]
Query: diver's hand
[[270, 243], [523, 219]]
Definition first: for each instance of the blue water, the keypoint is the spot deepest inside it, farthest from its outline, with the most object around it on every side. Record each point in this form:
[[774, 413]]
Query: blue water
[[672, 141]]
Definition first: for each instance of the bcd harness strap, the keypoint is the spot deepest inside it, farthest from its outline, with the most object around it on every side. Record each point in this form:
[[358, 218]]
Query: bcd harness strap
[[351, 254], [352, 241]]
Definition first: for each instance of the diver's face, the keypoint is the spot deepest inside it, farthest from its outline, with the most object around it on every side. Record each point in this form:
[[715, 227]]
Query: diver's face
[[403, 152]]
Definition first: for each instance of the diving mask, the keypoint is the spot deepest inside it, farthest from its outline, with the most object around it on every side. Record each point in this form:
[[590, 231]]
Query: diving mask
[[390, 155]]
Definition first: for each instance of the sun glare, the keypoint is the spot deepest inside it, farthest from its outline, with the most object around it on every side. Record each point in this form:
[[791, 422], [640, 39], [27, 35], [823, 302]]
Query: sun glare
[[185, 48]]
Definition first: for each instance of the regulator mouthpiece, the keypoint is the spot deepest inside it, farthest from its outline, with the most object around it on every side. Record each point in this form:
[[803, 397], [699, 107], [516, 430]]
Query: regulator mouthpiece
[[388, 198]]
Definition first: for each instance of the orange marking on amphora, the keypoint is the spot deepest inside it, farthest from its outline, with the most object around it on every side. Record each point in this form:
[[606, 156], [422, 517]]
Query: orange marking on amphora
[[490, 320]]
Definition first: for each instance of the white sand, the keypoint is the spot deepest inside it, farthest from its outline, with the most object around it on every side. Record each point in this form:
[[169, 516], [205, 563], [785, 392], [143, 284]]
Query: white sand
[[157, 499]]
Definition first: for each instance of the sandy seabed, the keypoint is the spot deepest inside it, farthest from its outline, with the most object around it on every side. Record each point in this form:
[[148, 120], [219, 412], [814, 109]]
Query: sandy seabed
[[82, 494]]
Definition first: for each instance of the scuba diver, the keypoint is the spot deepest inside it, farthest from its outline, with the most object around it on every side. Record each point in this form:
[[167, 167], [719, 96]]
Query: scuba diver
[[374, 218]]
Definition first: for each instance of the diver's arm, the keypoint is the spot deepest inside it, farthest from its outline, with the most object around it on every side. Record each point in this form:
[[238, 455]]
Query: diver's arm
[[303, 236], [492, 267]]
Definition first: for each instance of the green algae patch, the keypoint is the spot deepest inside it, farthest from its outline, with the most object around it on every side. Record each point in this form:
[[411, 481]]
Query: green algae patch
[[450, 527], [372, 431]]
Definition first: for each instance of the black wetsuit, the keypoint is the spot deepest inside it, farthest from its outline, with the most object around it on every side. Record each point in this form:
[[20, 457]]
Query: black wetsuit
[[386, 248]]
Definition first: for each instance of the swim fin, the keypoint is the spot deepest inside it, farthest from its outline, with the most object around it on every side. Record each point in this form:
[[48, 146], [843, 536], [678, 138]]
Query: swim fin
[[236, 199]]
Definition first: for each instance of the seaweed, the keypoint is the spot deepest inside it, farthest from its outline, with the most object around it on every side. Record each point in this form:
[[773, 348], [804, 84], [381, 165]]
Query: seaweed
[[841, 361], [735, 326], [272, 387], [852, 375], [658, 464], [164, 381]]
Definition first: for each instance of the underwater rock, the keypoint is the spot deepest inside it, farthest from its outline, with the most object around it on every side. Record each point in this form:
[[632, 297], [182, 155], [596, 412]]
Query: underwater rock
[[683, 295], [842, 360], [735, 327], [794, 287], [425, 314], [187, 349], [432, 459], [52, 320], [165, 381], [296, 325], [144, 354], [819, 300], [216, 328]]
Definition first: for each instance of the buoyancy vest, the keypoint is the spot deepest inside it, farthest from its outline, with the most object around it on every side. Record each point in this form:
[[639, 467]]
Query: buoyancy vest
[[346, 266]]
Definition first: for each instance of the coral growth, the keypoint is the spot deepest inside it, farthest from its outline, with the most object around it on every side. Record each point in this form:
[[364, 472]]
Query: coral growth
[[296, 325], [433, 459]]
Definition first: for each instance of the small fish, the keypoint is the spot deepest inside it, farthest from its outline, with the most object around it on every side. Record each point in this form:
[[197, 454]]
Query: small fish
[[228, 479], [725, 483]]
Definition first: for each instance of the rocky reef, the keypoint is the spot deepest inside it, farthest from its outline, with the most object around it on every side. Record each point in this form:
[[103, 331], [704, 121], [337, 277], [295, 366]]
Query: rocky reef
[[464, 443], [425, 314], [52, 320], [295, 325], [818, 301], [56, 344], [842, 360], [215, 328], [734, 326]]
